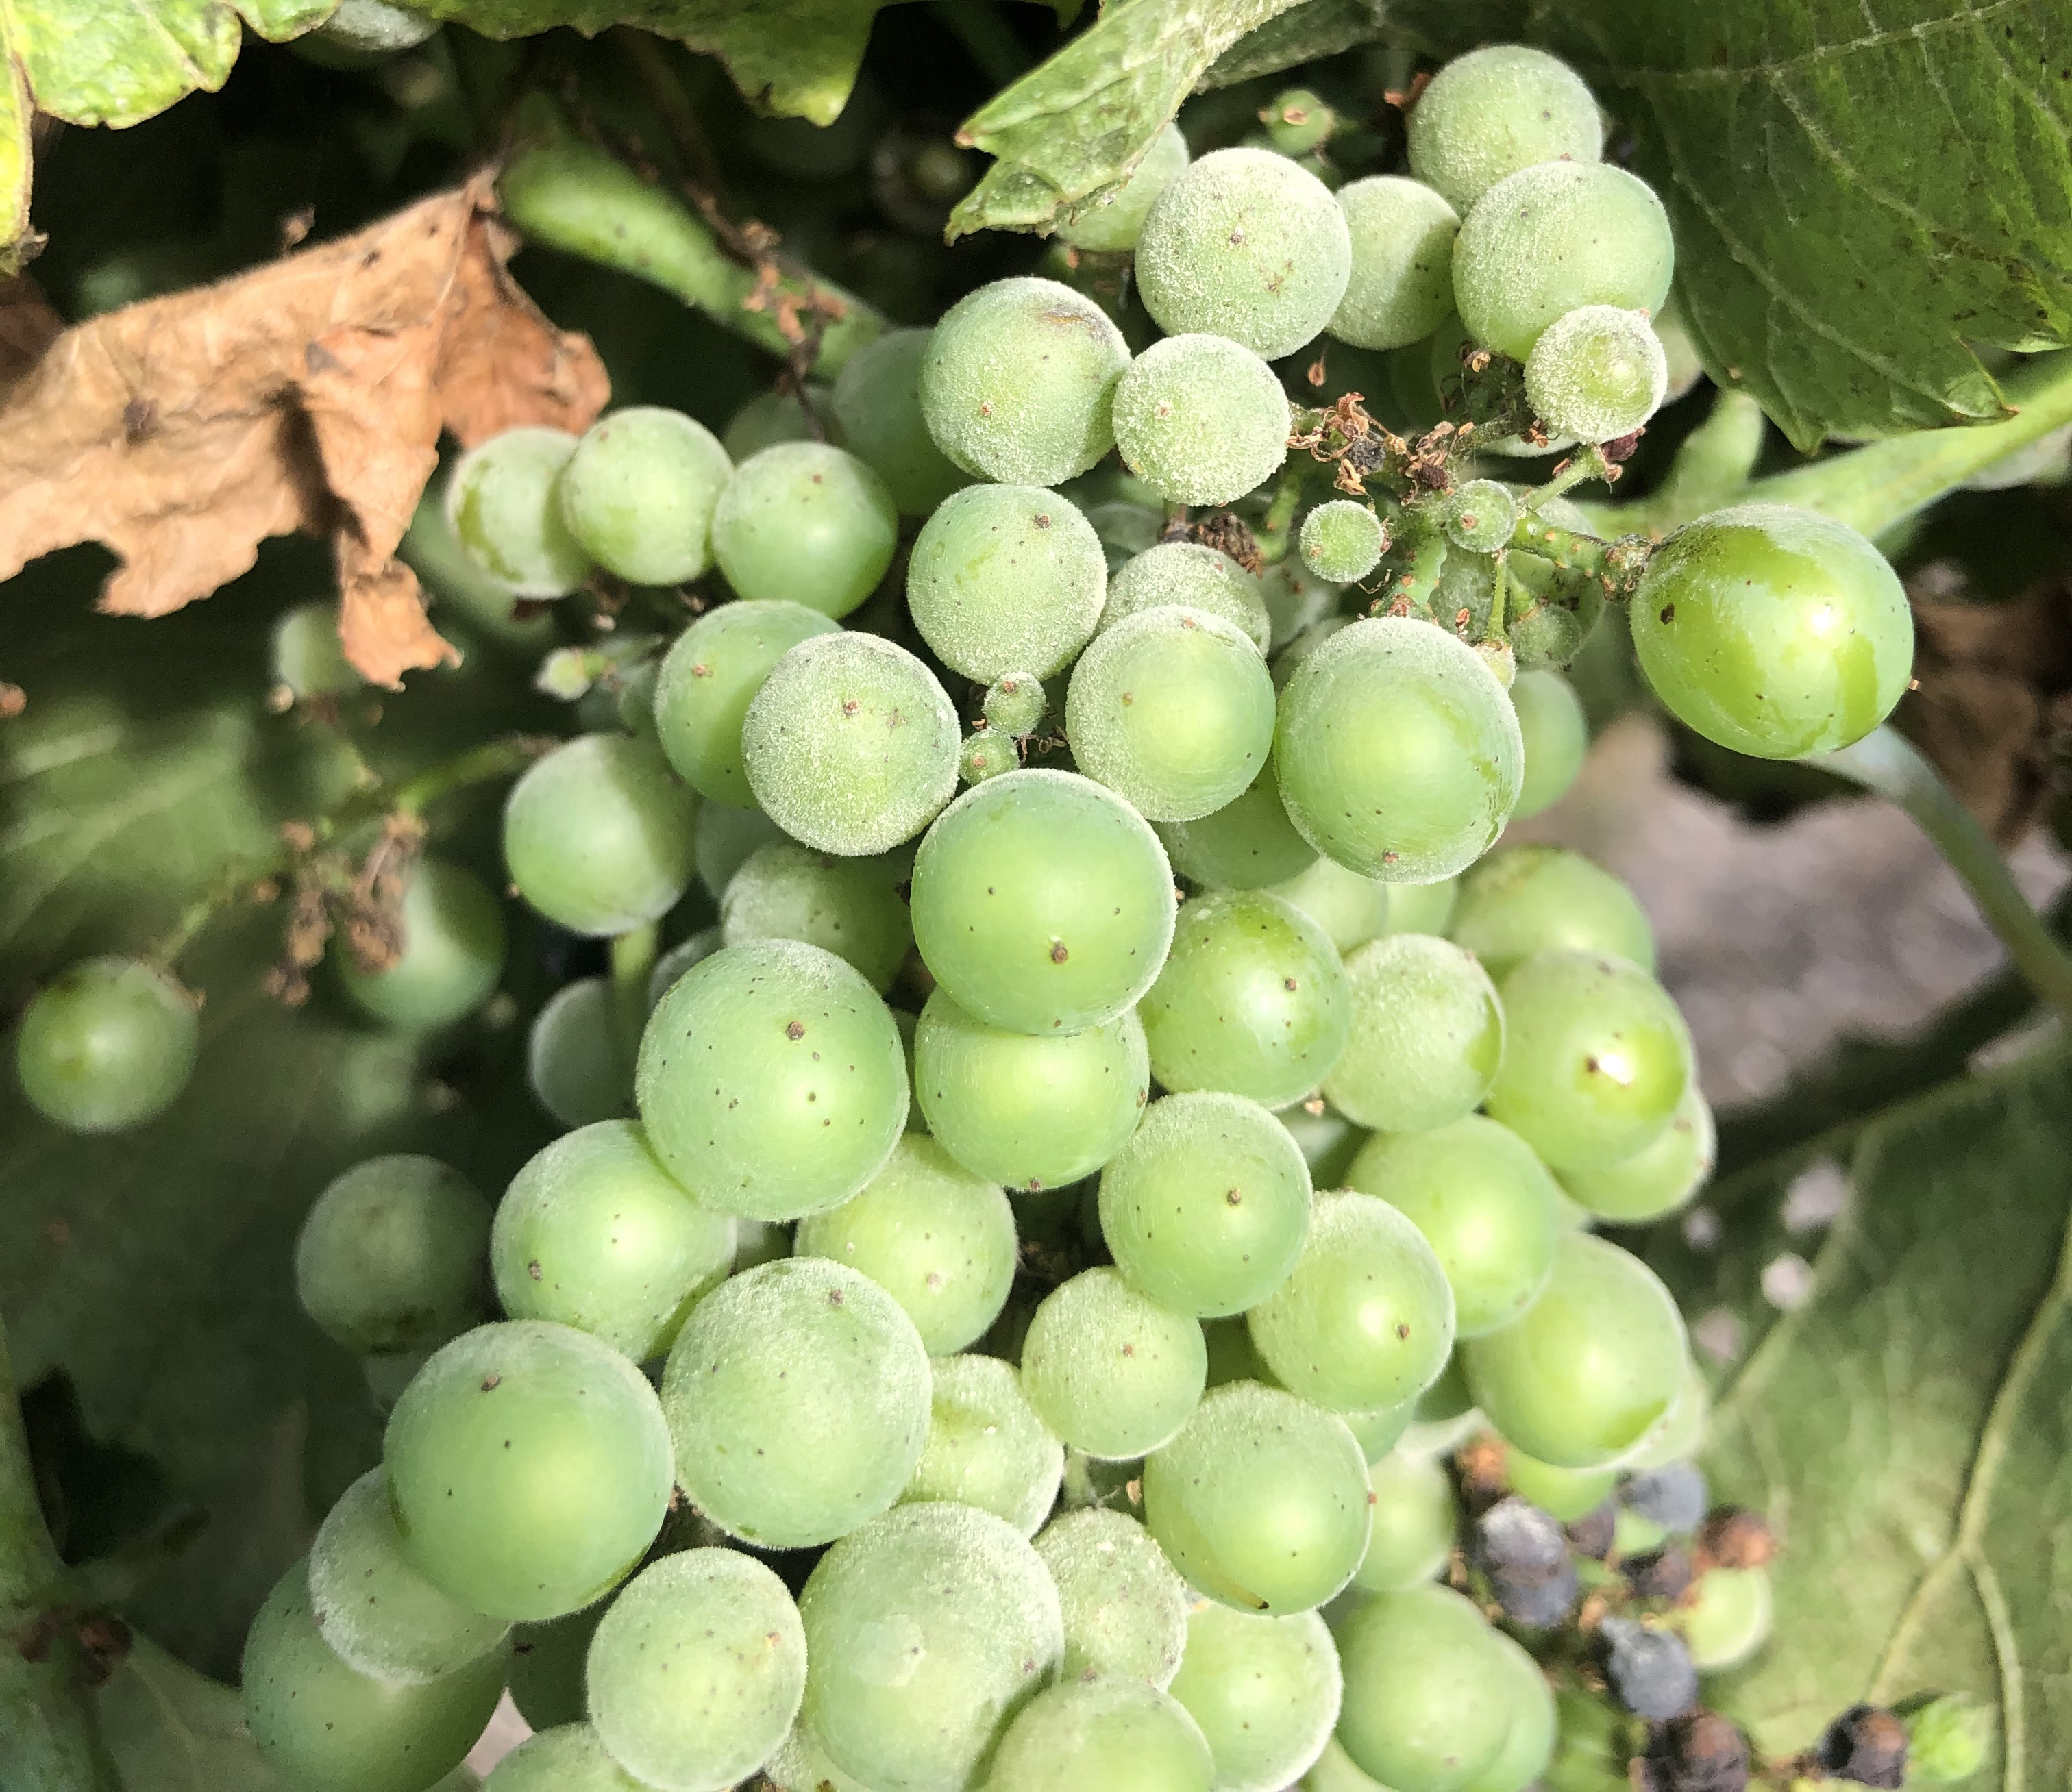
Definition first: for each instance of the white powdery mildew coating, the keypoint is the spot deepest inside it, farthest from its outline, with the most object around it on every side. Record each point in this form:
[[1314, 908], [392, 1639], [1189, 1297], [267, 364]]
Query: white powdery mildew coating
[[1201, 420], [1426, 1037], [1125, 1609], [1187, 573], [1497, 109], [1341, 541], [1402, 285], [850, 906], [986, 1446], [1598, 373], [1113, 1374], [1266, 1692]]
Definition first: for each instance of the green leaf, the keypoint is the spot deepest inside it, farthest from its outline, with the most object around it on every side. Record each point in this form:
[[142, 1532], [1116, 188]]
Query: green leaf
[[1315, 29], [173, 1730]]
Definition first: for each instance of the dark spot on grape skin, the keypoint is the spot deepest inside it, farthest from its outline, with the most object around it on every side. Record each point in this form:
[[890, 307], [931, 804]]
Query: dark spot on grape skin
[[794, 1029], [1667, 614], [491, 1382], [532, 1269], [1402, 1330], [1058, 954]]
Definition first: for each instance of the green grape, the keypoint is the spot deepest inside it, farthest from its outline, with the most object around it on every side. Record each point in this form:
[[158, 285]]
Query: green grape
[[802, 1763], [1252, 1001], [1480, 516], [709, 678], [1527, 900], [1296, 600], [1125, 529], [1659, 1179], [698, 1670], [850, 907], [452, 954], [1207, 1206], [877, 402], [639, 492], [1042, 903], [1342, 540], [568, 1758], [677, 960], [572, 1059], [598, 836], [1528, 1747], [1416, 1515], [1494, 111], [383, 1617], [434, 552], [1590, 1366], [1773, 631], [797, 1395], [808, 523], [547, 1666], [1333, 1771], [777, 416], [1006, 576], [1264, 1690], [325, 1727], [1725, 1618], [1379, 1429], [1187, 573], [851, 745], [940, 1240], [1556, 734], [1261, 1501], [1015, 704], [309, 658], [1551, 238], [1421, 908], [927, 1630], [1018, 381], [528, 1463], [1679, 1433], [1299, 122], [1244, 244], [594, 1233], [1398, 753], [986, 1446], [1426, 1037], [985, 755], [1401, 284], [107, 1046], [504, 504], [1366, 1318], [390, 1256], [1103, 1735], [1113, 1374], [1596, 1059], [1248, 844], [1110, 221], [1351, 910], [1597, 373], [1428, 1698], [726, 836], [1567, 1494], [1126, 1610], [1327, 1141], [1201, 419]]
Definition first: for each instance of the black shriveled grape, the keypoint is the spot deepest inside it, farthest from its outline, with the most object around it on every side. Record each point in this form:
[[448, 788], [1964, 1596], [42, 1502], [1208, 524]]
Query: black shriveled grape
[[1651, 1670], [1867, 1745], [1516, 1541]]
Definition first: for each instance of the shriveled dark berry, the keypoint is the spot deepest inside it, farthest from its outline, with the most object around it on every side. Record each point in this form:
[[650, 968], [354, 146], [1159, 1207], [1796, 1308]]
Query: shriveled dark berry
[[1702, 1753], [1664, 1573], [1674, 1498], [1591, 1533], [1649, 1670], [1516, 1541], [1538, 1604], [1737, 1539], [1866, 1744]]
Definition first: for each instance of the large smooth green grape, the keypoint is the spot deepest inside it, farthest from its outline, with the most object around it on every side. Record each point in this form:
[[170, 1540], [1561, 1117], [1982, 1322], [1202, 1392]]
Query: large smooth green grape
[[1428, 1698], [547, 1666], [639, 492], [1728, 1618], [452, 955], [1529, 899], [1252, 1001], [529, 1467], [1496, 110], [698, 1670], [598, 835], [851, 745], [1556, 734], [1248, 844], [1112, 1373], [1261, 1501], [1342, 540], [1401, 286], [1126, 1610], [1591, 1366], [927, 1630], [325, 1727], [309, 657], [1173, 709], [878, 402], [1597, 373], [1680, 1432], [1351, 909], [1416, 1515], [1551, 238], [772, 1081], [573, 1060], [940, 1240], [1018, 381], [1535, 1725], [1103, 1735], [1042, 903], [1596, 1059], [1007, 578], [1201, 419], [1398, 753], [390, 1256], [807, 523], [707, 679], [1426, 1036], [1189, 572], [986, 1446], [109, 1044], [1206, 1208], [1366, 1318], [567, 1758], [1111, 221], [1774, 631], [594, 1233], [1264, 1690], [797, 1393], [504, 502], [1661, 1177], [1245, 244], [850, 907]]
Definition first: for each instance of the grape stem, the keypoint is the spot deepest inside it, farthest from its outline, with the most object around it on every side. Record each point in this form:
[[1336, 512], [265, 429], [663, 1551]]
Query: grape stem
[[1616, 565], [633, 955]]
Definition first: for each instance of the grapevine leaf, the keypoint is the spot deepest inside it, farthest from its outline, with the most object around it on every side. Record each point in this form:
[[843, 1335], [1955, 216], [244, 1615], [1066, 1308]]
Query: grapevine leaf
[[1315, 29], [173, 1730]]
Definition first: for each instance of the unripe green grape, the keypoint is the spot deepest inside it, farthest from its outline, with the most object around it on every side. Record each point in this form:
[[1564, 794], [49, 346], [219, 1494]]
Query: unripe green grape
[[851, 745], [1342, 540], [1112, 1373], [1428, 1698], [1042, 903], [326, 1726], [1201, 419], [598, 835], [1018, 381], [1494, 111], [1528, 1747], [940, 1240], [1567, 1494], [1004, 576], [1126, 529], [1015, 704], [1248, 844], [698, 1670], [1590, 1366], [1289, 661], [432, 550], [1189, 574], [1426, 1035], [1416, 1515], [1110, 220], [1679, 1433], [1556, 734], [1725, 1618], [777, 416], [1103, 1735], [390, 1256], [573, 1061], [1401, 284], [707, 679], [567, 1758], [108, 1044], [1351, 909], [1379, 1429], [1773, 631], [1552, 237], [1252, 1001], [452, 955], [807, 523], [802, 1763], [1206, 1208], [1597, 373], [850, 907], [1527, 900], [1264, 1690], [504, 502], [1480, 516], [1247, 245], [1333, 1771], [309, 658], [1297, 123], [1261, 1501], [547, 1666], [1422, 908], [878, 400], [529, 1467], [1296, 600], [1126, 1610], [1659, 1179], [726, 835], [1596, 1059], [985, 755], [639, 493], [986, 1446]]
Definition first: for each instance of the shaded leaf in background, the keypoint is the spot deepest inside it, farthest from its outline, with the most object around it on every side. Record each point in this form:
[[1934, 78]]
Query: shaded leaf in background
[[173, 1730], [1315, 29]]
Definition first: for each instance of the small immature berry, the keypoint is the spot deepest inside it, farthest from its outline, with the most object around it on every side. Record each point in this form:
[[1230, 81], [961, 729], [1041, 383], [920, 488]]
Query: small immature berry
[[1015, 704], [1341, 541], [1480, 516], [986, 754]]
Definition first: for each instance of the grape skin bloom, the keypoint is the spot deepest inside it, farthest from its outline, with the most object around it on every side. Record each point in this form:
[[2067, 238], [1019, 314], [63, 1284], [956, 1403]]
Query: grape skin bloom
[[1201, 420]]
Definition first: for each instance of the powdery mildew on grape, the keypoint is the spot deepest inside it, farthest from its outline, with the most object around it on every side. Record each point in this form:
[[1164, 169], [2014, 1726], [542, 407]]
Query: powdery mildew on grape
[[708, 679], [1201, 420], [802, 1763], [1401, 287], [1426, 1038], [567, 1758], [1266, 1692], [1495, 110], [1342, 540], [1188, 572], [848, 907], [986, 1446], [1597, 373], [1113, 1374], [1126, 1610]]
